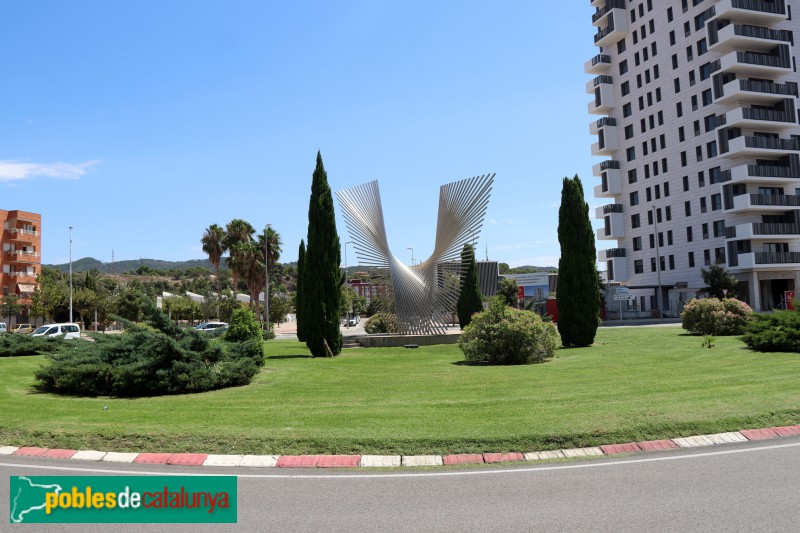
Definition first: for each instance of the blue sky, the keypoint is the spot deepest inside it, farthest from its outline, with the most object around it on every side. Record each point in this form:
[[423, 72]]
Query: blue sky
[[141, 123]]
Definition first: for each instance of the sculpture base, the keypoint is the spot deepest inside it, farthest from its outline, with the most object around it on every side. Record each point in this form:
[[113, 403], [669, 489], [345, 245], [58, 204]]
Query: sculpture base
[[393, 341]]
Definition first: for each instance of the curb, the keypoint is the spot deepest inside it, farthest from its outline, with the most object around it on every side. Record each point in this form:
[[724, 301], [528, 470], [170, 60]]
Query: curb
[[394, 461]]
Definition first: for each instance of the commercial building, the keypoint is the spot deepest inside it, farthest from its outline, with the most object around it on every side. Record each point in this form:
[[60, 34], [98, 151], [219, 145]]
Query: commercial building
[[697, 124], [20, 261]]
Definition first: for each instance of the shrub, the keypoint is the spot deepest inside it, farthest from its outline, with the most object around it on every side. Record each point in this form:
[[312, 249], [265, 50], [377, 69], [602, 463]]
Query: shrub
[[162, 359], [776, 332], [711, 316], [381, 323], [503, 335], [19, 345], [244, 326]]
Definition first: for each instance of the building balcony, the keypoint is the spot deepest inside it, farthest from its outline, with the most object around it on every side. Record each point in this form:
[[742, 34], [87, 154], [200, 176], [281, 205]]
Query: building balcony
[[614, 227], [19, 256], [616, 27], [603, 210], [611, 253], [760, 147], [616, 262], [764, 202], [756, 64], [744, 37], [610, 186], [761, 231], [603, 101], [767, 260], [20, 277], [599, 18], [599, 64], [762, 12], [603, 80], [762, 174], [756, 92], [597, 3], [607, 145], [761, 119], [608, 164], [597, 125]]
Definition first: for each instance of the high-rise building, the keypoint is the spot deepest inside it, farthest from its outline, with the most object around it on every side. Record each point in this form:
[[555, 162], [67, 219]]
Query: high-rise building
[[20, 260], [699, 129]]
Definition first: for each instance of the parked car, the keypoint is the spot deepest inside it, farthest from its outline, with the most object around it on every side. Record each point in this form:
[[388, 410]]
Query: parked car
[[210, 326], [3, 328], [354, 320], [23, 328], [69, 331]]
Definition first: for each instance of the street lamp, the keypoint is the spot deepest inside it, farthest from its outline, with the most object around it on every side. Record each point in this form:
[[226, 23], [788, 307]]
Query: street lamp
[[412, 255], [347, 284], [266, 276], [70, 274], [658, 261]]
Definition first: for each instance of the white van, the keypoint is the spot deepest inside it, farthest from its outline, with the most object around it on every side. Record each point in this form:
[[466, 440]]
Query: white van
[[69, 331], [3, 327]]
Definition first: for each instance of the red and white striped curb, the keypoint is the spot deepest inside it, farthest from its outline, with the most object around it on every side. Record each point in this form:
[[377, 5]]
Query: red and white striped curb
[[390, 461]]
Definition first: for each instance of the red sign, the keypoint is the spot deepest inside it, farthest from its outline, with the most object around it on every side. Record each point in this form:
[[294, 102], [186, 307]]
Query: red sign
[[789, 295], [521, 293]]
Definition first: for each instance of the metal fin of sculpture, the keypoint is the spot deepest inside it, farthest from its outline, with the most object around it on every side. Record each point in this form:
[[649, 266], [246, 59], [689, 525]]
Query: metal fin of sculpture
[[422, 297]]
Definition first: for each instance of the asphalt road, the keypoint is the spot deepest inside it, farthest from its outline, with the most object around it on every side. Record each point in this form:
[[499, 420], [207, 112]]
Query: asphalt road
[[737, 487]]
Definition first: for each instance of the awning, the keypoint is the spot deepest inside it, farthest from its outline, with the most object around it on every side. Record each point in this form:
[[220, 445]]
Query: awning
[[23, 288]]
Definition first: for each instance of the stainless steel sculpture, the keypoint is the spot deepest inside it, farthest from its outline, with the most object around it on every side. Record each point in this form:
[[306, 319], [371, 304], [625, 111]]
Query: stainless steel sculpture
[[422, 297]]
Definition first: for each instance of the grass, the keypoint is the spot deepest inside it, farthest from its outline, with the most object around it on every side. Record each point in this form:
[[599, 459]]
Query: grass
[[633, 384]]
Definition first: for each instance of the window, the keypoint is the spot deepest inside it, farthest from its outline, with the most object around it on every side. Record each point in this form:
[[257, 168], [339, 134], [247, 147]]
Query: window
[[677, 84], [648, 194], [652, 23], [668, 213], [644, 148], [641, 103], [681, 134], [655, 168], [643, 125], [628, 131], [634, 198], [696, 124], [635, 40], [652, 122], [626, 88], [702, 47], [663, 266], [658, 192], [669, 14], [719, 228], [649, 99], [698, 153], [652, 241], [653, 48], [636, 220], [638, 266], [636, 60], [650, 217], [707, 257], [672, 40], [652, 264], [689, 237], [703, 207], [633, 15], [660, 118], [662, 141], [655, 71], [687, 208], [711, 149], [685, 183], [679, 109], [689, 53], [707, 69], [719, 254], [683, 159], [701, 180], [647, 172], [626, 110], [669, 238], [632, 176], [674, 60], [639, 81], [658, 94], [653, 144], [687, 31], [672, 262], [714, 175], [658, 215], [623, 66], [692, 79], [630, 153], [664, 165], [707, 98], [710, 122], [716, 202], [691, 259], [620, 46], [637, 244], [694, 103], [705, 231], [645, 55]]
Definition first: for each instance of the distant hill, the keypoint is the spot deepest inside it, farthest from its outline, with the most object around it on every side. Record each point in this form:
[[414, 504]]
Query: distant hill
[[118, 267], [529, 269]]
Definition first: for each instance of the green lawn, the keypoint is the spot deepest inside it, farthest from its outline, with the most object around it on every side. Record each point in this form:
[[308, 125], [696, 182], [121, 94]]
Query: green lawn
[[633, 384]]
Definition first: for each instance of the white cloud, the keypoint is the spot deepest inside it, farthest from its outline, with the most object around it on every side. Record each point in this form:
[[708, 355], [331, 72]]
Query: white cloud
[[16, 170]]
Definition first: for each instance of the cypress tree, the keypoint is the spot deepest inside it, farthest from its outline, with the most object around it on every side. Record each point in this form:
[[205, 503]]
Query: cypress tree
[[470, 300], [300, 294], [578, 291], [320, 285]]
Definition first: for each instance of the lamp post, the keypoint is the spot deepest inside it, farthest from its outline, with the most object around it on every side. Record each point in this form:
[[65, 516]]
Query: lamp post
[[266, 277], [412, 255], [347, 284], [70, 274], [658, 262]]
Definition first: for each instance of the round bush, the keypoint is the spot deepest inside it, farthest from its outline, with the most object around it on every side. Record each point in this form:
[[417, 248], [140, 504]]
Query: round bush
[[244, 326], [711, 316], [502, 335], [381, 323]]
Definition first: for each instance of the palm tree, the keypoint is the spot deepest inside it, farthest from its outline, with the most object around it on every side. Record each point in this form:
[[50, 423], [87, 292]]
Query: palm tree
[[248, 263], [214, 245], [238, 231], [275, 245]]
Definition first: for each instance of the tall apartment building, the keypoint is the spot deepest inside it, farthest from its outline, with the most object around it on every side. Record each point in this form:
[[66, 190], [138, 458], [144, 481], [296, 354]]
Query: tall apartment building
[[20, 261], [699, 127]]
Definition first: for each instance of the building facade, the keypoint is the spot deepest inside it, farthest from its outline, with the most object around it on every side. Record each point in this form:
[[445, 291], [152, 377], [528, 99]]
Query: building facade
[[20, 260], [698, 129]]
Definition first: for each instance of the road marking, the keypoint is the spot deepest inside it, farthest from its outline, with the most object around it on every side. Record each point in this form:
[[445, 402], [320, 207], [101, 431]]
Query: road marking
[[366, 475]]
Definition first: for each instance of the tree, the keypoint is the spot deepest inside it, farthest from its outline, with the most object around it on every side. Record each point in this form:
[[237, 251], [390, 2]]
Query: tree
[[299, 312], [279, 307], [578, 301], [320, 294], [238, 231], [214, 245], [248, 261], [503, 268], [10, 306], [507, 290], [719, 283], [470, 300]]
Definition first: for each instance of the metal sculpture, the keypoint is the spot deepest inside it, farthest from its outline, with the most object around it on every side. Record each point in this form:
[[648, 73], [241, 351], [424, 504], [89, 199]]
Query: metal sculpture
[[422, 297]]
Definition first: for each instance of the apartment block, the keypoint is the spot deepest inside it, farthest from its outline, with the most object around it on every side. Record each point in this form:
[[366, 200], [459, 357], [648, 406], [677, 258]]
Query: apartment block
[[697, 128], [20, 261]]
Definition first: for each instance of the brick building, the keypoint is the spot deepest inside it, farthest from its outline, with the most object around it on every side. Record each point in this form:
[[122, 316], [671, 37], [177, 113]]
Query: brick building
[[20, 260]]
